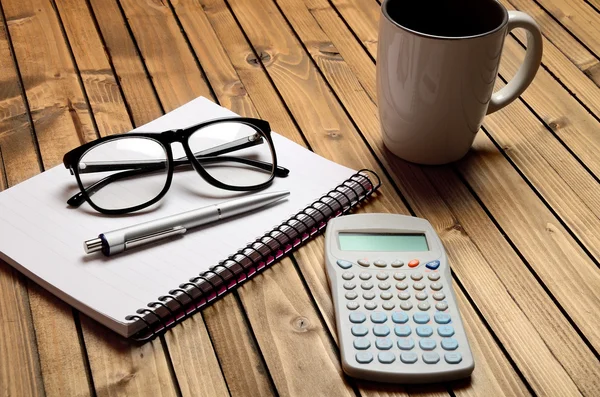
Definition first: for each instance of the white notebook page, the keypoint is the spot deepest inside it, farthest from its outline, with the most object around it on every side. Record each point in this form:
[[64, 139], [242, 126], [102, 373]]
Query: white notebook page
[[42, 237]]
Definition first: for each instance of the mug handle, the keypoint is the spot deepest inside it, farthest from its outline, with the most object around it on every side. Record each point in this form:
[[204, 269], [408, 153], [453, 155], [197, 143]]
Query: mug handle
[[531, 63]]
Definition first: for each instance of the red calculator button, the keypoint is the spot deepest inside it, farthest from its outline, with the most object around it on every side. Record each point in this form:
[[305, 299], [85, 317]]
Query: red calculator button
[[413, 263]]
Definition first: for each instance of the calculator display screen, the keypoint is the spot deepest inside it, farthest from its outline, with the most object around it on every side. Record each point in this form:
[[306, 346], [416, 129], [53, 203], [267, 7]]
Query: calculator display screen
[[388, 242]]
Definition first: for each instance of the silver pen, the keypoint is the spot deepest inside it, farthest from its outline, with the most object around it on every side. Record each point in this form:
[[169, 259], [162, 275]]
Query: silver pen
[[119, 240]]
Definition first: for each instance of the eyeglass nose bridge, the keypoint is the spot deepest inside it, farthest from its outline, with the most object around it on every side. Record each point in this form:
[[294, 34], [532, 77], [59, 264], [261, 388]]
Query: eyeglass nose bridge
[[177, 135]]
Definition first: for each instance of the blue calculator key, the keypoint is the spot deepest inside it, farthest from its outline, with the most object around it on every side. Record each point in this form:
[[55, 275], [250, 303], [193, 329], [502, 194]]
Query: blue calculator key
[[424, 330], [386, 357], [381, 330], [441, 318], [430, 357], [408, 357], [453, 357], [357, 317], [406, 343], [421, 318], [384, 343], [344, 264], [361, 343], [359, 330], [449, 344], [378, 317], [445, 330], [402, 330], [427, 344], [399, 317], [364, 357], [432, 265]]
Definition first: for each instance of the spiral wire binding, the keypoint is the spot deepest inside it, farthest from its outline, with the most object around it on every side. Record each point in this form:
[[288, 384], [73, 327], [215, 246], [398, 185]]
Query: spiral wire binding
[[257, 256]]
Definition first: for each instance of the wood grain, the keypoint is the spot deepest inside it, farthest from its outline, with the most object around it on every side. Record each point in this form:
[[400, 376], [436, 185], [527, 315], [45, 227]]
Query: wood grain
[[555, 33]]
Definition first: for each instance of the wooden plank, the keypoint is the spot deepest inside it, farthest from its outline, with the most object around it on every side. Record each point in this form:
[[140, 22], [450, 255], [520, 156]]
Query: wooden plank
[[126, 61], [563, 114], [190, 366], [240, 356], [94, 68], [556, 34], [579, 18], [348, 93]]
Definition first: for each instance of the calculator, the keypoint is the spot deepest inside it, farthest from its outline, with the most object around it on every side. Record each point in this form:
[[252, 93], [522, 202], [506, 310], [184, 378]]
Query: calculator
[[396, 313]]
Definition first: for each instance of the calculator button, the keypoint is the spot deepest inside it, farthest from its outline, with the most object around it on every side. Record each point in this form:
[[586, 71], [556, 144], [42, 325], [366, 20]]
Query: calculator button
[[365, 276], [351, 295], [421, 318], [416, 276], [406, 305], [399, 276], [430, 357], [384, 343], [344, 264], [363, 262], [352, 305], [406, 343], [388, 305], [432, 265], [361, 343], [408, 357], [369, 295], [404, 295], [442, 318], [364, 357], [436, 286], [380, 263], [402, 330], [386, 357], [419, 286], [413, 263], [421, 295], [397, 263], [378, 317], [424, 331], [439, 296], [386, 296], [401, 285], [348, 276], [381, 330], [445, 330], [382, 276], [449, 344], [366, 285], [424, 306], [399, 317], [434, 276], [453, 357], [349, 285], [357, 317], [441, 306], [359, 330], [371, 305], [427, 344], [384, 285]]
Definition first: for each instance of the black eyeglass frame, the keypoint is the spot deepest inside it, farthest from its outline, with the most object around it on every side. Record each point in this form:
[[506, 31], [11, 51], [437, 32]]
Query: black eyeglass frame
[[165, 139]]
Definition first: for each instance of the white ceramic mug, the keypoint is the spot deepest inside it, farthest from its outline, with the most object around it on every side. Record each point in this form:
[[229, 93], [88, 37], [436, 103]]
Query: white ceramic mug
[[436, 67]]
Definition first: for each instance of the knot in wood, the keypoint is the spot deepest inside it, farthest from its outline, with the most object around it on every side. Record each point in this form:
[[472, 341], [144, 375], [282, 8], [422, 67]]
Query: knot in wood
[[330, 51], [235, 88], [264, 56], [300, 324]]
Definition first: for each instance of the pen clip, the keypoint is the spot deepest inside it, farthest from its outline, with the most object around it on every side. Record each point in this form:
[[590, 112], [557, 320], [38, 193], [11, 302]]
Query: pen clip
[[149, 238]]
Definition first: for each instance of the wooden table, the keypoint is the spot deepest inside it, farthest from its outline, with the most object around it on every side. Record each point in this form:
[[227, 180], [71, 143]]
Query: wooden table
[[519, 216]]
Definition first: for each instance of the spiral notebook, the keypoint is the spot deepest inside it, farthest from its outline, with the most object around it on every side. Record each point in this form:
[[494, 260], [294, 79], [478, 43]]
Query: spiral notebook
[[144, 292]]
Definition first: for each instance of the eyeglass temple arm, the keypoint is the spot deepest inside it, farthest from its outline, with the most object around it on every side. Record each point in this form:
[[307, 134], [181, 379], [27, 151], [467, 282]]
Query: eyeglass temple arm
[[150, 166]]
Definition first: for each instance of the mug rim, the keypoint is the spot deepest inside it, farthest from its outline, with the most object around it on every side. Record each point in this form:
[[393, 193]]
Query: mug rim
[[453, 38]]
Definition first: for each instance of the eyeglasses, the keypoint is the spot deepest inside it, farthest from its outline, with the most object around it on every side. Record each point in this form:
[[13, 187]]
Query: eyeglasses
[[127, 172]]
